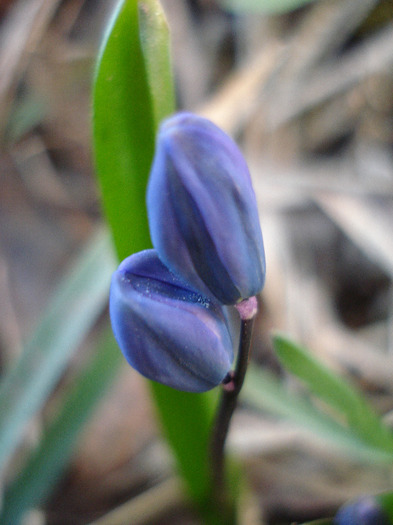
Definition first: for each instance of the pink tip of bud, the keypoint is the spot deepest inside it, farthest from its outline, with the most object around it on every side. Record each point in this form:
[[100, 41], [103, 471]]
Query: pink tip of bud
[[248, 308]]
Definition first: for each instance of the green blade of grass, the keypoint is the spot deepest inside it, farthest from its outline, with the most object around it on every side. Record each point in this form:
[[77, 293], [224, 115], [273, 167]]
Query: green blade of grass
[[46, 463], [187, 421], [74, 308], [385, 499], [265, 392], [336, 392], [155, 45], [133, 91], [124, 130], [186, 418]]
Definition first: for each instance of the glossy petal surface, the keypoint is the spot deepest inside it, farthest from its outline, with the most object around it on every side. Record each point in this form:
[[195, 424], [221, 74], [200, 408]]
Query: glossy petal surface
[[202, 210], [166, 330]]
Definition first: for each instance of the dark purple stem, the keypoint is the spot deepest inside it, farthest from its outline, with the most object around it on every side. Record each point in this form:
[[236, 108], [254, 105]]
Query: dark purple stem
[[230, 391]]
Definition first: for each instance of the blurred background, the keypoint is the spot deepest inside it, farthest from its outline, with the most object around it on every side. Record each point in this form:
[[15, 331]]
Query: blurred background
[[308, 94]]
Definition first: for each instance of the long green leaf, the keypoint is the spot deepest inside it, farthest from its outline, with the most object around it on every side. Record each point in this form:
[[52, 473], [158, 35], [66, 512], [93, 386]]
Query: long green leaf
[[155, 45], [188, 420], [264, 6], [78, 301], [47, 461], [336, 392], [124, 130], [133, 91], [264, 391]]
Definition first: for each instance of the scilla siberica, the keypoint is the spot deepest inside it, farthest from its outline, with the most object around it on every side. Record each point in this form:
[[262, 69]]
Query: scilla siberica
[[167, 330], [166, 305], [202, 210]]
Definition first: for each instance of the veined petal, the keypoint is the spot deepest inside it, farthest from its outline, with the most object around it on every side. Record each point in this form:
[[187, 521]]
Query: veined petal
[[168, 331], [202, 210]]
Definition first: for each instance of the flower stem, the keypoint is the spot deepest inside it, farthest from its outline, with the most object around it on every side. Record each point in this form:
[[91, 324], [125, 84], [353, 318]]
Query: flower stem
[[229, 395]]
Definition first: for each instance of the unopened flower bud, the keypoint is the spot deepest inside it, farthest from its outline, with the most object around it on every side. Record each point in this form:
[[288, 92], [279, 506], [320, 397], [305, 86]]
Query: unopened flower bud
[[202, 210], [166, 330]]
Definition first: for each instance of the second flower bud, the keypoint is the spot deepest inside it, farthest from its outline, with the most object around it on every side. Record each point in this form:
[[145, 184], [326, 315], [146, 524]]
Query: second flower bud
[[202, 210]]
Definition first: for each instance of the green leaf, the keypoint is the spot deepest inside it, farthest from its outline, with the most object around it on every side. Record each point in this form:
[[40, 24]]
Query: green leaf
[[133, 92], [336, 392], [385, 499], [154, 37], [264, 391], [264, 6], [46, 463], [188, 419], [123, 130], [80, 298]]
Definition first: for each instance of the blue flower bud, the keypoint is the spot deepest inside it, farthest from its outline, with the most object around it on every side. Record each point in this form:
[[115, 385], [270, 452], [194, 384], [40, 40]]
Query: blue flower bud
[[166, 330], [202, 210], [363, 511]]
